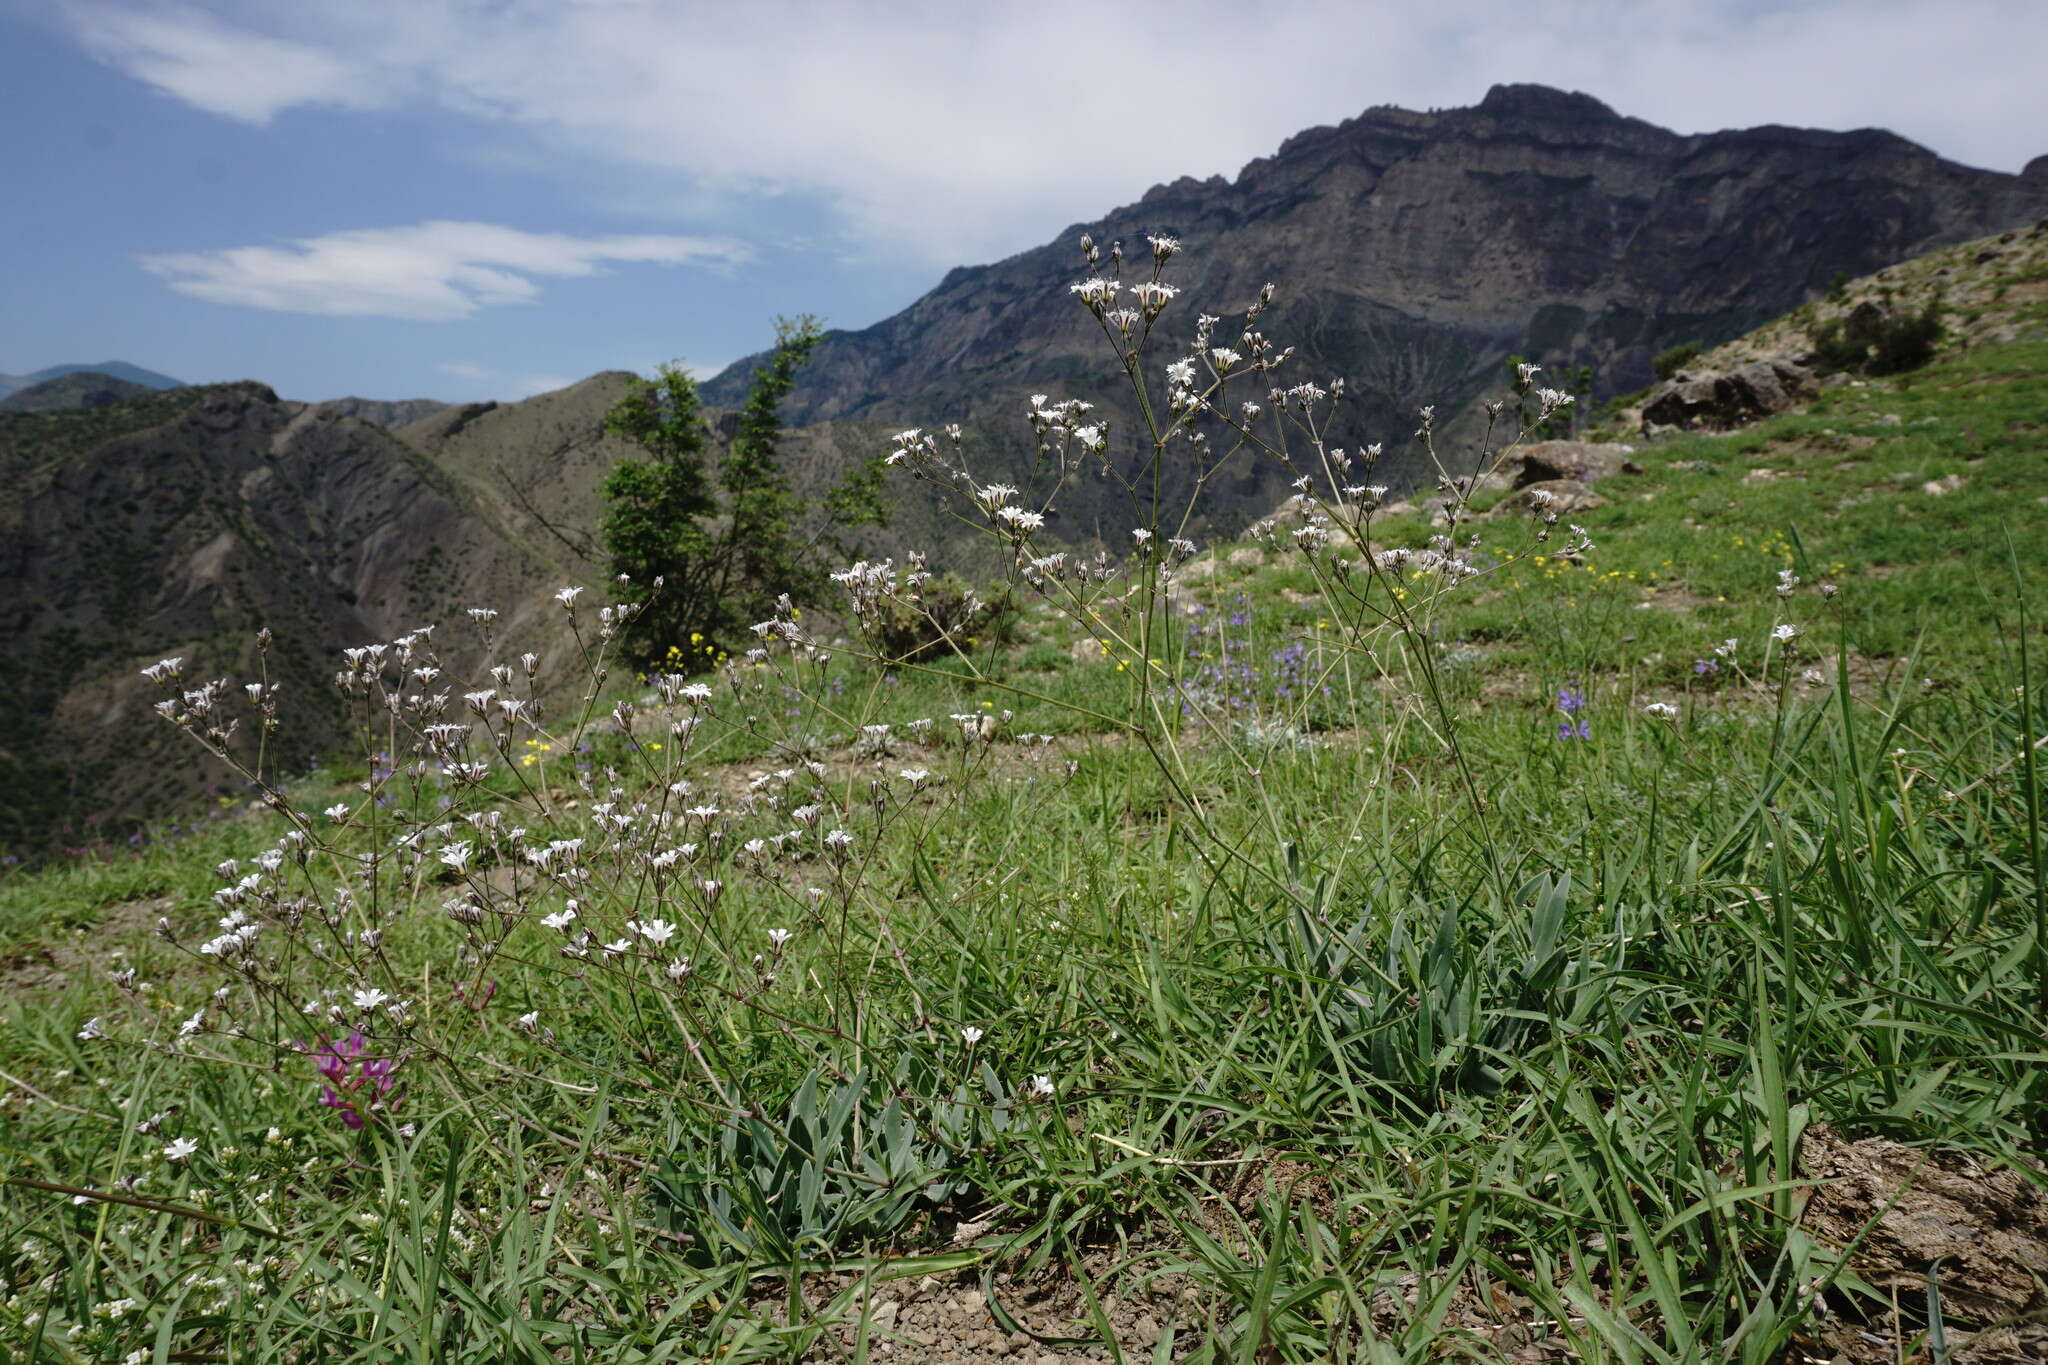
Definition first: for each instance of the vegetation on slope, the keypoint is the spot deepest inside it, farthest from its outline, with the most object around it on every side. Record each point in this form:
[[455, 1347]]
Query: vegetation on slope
[[1209, 974]]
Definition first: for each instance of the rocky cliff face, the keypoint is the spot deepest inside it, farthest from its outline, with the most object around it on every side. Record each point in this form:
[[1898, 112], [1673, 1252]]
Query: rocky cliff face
[[1415, 252], [217, 511]]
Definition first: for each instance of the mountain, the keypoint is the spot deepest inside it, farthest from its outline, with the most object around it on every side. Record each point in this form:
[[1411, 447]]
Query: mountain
[[78, 389], [180, 522], [387, 413], [537, 463], [1414, 252], [114, 369]]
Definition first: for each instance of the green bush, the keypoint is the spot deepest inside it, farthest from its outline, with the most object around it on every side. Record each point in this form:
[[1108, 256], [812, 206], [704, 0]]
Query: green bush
[[948, 609], [1873, 339], [1677, 358]]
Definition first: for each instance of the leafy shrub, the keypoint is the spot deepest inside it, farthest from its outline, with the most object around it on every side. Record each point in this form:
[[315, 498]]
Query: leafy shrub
[[1876, 339], [948, 610], [1677, 358]]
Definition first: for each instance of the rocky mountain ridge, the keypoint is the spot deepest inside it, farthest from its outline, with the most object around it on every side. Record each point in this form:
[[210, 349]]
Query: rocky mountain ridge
[[1416, 251]]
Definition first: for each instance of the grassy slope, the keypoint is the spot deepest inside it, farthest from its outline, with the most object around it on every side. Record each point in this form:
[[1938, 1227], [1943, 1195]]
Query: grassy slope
[[1548, 1068]]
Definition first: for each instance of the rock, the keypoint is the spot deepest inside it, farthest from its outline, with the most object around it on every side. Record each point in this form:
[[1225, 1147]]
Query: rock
[[1983, 1232], [1718, 402], [1941, 487], [1565, 497], [1584, 461]]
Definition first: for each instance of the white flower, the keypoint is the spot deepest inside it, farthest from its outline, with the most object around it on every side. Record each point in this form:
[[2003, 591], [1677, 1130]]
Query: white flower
[[916, 777], [194, 1024], [1785, 632], [456, 856], [1020, 519], [655, 931], [92, 1030], [1041, 1087], [1222, 357], [970, 1035], [1662, 710], [1153, 295], [1096, 293], [567, 597], [778, 937], [163, 670], [530, 1021], [559, 920], [679, 969], [369, 998], [838, 841], [180, 1149], [338, 812]]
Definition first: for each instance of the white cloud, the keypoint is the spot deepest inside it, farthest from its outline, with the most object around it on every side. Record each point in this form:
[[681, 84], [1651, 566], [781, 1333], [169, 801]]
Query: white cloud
[[432, 272], [957, 132], [463, 369], [223, 69]]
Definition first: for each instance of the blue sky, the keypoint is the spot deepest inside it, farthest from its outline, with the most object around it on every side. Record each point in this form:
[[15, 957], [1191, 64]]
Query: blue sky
[[487, 198]]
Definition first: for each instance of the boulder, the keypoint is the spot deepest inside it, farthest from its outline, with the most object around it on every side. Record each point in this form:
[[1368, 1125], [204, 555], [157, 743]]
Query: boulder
[[1566, 496], [1582, 461], [1718, 402]]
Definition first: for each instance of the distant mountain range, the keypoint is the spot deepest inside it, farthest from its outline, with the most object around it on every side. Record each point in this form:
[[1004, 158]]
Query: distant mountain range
[[113, 369], [1414, 252], [79, 389]]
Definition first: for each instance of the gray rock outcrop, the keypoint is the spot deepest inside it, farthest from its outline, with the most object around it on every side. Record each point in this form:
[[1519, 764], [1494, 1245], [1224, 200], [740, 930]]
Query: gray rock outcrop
[[1719, 402]]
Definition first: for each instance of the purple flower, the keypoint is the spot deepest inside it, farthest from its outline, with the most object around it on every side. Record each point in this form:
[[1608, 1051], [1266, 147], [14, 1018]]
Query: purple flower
[[1578, 729], [1705, 666], [346, 1072], [1570, 700]]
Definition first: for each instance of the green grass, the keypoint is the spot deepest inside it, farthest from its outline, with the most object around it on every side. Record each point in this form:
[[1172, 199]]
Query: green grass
[[1342, 1064]]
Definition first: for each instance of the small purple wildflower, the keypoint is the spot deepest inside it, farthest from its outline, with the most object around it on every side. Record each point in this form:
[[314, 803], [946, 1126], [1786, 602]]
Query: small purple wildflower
[[1703, 667], [346, 1070], [1571, 701]]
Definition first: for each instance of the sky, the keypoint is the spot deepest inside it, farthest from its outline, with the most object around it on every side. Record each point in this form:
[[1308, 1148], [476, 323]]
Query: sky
[[466, 199]]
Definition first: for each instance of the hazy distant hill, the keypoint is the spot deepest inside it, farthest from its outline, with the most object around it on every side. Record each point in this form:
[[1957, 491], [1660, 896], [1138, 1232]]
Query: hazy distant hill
[[79, 389], [1415, 251], [114, 369], [390, 414]]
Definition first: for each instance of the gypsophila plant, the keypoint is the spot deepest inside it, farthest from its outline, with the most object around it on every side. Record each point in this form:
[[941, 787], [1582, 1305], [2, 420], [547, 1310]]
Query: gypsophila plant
[[1226, 394]]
